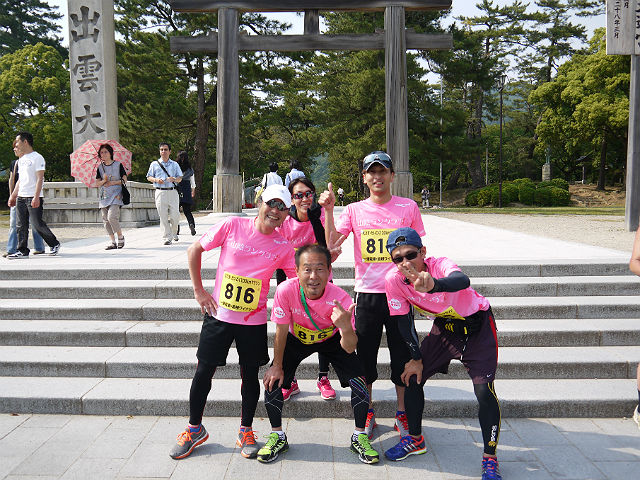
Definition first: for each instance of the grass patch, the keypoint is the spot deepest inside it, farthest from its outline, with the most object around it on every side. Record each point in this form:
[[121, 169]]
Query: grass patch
[[619, 211]]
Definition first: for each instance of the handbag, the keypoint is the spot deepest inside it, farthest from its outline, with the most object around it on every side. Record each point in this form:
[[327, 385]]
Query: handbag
[[126, 196]]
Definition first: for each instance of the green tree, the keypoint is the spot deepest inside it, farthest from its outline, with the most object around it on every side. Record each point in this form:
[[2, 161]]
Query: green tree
[[28, 22], [585, 110], [35, 96]]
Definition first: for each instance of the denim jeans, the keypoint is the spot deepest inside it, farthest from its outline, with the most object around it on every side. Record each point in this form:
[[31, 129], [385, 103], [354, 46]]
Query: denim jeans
[[25, 213], [12, 243]]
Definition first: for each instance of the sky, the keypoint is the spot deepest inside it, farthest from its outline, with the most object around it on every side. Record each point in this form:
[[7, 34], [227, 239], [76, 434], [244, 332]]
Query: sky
[[459, 7]]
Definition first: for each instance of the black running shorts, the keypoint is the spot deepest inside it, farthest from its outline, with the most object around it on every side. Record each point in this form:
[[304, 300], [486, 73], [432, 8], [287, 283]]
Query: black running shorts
[[216, 338]]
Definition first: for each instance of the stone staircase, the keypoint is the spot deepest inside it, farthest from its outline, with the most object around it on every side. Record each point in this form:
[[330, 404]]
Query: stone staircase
[[118, 340]]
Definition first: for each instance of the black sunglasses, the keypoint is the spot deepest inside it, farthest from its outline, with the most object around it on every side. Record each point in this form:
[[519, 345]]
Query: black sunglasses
[[409, 256], [307, 194], [275, 203]]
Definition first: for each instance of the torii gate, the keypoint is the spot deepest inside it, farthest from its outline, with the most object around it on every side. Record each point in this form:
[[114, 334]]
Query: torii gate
[[395, 40]]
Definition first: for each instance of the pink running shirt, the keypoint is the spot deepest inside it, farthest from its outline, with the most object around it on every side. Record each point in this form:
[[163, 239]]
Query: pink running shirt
[[298, 233], [247, 262], [371, 225], [288, 309], [400, 294]]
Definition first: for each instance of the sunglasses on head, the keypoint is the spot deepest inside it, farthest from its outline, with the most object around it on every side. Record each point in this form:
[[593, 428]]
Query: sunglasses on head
[[275, 203], [409, 256], [307, 194]]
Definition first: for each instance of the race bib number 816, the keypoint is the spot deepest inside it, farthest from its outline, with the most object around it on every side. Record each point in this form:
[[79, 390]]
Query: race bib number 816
[[373, 245], [238, 293]]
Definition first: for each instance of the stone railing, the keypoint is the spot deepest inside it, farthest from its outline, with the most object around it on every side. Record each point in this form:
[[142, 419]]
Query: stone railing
[[73, 203]]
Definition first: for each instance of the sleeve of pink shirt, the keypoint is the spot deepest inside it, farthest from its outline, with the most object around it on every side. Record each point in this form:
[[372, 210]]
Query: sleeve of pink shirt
[[442, 267], [216, 235], [288, 263], [416, 223], [398, 303], [344, 225], [281, 311]]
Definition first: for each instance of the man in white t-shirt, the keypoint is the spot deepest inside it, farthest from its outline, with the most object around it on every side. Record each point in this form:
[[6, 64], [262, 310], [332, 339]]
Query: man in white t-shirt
[[27, 197]]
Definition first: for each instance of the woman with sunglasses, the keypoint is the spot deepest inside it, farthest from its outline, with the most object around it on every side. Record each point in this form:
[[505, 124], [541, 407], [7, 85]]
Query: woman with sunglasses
[[304, 226]]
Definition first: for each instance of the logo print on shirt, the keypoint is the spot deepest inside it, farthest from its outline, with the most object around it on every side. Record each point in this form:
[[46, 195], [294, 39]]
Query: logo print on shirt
[[279, 312], [403, 205], [394, 303]]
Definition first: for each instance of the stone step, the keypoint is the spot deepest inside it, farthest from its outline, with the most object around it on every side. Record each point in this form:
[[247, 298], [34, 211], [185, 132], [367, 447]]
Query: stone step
[[187, 309], [550, 398], [511, 333], [156, 288], [179, 271], [180, 362]]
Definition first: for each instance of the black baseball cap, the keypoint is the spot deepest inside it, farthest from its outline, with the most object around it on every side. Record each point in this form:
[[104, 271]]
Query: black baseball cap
[[377, 157]]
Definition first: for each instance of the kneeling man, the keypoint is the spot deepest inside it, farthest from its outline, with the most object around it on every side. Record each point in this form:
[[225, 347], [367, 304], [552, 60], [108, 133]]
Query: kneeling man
[[311, 317], [464, 329]]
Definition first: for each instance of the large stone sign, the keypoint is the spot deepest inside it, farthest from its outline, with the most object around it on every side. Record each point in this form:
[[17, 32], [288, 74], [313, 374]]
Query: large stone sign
[[92, 66]]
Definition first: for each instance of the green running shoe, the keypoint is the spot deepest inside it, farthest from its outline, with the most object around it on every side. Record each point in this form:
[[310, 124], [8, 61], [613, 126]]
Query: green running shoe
[[363, 448], [274, 446]]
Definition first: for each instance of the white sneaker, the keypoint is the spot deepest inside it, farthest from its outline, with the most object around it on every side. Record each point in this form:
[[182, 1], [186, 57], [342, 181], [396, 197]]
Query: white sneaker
[[55, 249], [16, 256], [636, 416]]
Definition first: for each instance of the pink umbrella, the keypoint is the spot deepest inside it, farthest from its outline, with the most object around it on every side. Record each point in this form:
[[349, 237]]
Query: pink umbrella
[[85, 160]]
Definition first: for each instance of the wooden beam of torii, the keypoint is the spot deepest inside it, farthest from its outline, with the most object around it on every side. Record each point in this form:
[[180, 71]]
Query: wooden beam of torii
[[395, 40]]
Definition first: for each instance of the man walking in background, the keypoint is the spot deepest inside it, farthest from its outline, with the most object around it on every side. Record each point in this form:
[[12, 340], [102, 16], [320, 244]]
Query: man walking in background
[[27, 197]]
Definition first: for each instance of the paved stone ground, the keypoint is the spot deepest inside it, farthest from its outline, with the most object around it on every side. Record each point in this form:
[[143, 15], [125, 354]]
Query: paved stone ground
[[48, 447]]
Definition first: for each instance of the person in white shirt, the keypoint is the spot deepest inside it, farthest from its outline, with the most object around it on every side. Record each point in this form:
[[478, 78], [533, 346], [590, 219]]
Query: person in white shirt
[[271, 178], [294, 173], [27, 197]]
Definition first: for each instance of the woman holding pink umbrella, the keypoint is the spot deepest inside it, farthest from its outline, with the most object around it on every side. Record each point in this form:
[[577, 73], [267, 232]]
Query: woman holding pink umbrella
[[110, 175]]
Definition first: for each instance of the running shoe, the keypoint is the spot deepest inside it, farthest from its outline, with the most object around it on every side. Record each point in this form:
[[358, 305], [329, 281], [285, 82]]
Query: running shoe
[[407, 446], [55, 249], [326, 391], [402, 424], [167, 242], [111, 246], [274, 446], [293, 390], [247, 442], [490, 470], [17, 256], [187, 441], [39, 252], [370, 424], [361, 446], [636, 416]]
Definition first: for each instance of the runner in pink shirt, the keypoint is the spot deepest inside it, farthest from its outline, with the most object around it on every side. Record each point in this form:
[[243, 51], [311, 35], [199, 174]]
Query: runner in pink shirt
[[250, 252], [371, 221], [464, 329], [313, 315], [305, 226]]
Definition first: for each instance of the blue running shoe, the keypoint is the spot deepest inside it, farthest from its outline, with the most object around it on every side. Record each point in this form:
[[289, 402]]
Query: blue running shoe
[[407, 446], [490, 470]]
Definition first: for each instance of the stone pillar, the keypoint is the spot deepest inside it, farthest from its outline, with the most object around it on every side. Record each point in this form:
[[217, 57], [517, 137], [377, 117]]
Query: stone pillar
[[546, 172], [396, 99], [632, 201], [92, 66], [227, 183]]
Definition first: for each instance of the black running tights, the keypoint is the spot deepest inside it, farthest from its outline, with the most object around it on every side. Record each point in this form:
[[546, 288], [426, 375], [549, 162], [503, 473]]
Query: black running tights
[[201, 386], [489, 415]]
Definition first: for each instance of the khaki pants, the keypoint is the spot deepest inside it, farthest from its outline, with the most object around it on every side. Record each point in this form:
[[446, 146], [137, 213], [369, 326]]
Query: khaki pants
[[168, 206]]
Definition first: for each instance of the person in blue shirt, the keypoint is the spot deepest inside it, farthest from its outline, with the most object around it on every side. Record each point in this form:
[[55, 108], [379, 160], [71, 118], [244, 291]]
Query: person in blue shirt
[[165, 174]]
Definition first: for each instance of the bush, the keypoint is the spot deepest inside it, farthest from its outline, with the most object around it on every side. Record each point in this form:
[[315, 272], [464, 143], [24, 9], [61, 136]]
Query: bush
[[560, 183], [526, 194], [519, 182], [485, 195], [560, 197], [544, 196], [471, 200]]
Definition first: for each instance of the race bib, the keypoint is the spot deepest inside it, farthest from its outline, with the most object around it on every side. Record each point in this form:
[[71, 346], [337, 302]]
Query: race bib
[[239, 293], [448, 313], [373, 245], [308, 336]]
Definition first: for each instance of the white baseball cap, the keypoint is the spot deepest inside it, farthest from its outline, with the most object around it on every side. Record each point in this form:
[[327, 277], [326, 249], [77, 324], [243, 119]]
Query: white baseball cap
[[277, 191]]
